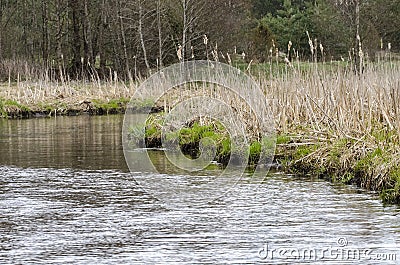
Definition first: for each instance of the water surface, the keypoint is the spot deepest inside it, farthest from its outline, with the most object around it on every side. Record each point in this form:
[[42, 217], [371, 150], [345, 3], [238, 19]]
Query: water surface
[[66, 197]]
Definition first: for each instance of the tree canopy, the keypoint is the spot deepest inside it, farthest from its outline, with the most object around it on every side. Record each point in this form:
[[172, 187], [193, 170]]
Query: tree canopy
[[134, 37]]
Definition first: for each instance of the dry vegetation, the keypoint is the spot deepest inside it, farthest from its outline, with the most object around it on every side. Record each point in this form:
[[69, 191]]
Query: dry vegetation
[[331, 121], [340, 125], [334, 101], [35, 92]]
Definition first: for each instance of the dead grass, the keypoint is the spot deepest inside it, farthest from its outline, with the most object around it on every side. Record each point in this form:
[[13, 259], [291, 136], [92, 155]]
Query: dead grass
[[336, 101], [342, 125]]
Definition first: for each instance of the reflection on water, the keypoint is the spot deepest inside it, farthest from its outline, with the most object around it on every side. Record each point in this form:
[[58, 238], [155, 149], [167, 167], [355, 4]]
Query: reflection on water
[[65, 142], [67, 198]]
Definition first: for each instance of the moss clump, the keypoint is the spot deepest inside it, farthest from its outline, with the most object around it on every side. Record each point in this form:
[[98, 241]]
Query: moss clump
[[153, 131], [196, 132], [211, 133], [254, 152], [190, 137], [369, 163], [13, 109], [391, 193], [224, 150], [113, 106], [301, 151], [283, 139], [3, 113]]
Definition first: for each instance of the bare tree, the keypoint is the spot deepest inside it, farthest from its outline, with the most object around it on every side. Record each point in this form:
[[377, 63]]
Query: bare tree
[[188, 15], [87, 35], [45, 32], [75, 18], [140, 31], [7, 11], [160, 39], [352, 9]]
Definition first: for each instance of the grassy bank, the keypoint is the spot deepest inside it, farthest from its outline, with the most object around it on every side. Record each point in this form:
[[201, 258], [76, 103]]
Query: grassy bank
[[331, 122], [334, 123], [12, 109], [190, 136], [372, 163], [40, 99]]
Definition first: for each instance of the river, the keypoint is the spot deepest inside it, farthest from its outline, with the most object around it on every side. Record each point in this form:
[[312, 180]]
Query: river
[[67, 197]]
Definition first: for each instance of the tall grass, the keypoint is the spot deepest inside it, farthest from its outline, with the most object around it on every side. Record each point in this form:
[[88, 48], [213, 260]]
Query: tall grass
[[332, 99], [328, 98], [341, 122], [38, 87]]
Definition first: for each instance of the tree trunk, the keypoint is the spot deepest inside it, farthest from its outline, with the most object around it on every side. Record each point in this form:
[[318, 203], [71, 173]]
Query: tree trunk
[[358, 50], [184, 31], [88, 47], [141, 36], [45, 34], [76, 39], [123, 39], [1, 31], [160, 43], [102, 26], [59, 31]]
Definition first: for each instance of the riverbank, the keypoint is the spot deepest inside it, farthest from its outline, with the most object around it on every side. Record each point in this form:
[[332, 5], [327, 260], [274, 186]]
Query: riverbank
[[45, 99], [331, 122], [11, 109], [371, 162]]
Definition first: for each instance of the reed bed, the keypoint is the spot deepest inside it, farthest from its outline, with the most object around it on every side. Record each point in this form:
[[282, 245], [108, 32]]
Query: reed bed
[[36, 93], [331, 121], [27, 89], [334, 101], [340, 125]]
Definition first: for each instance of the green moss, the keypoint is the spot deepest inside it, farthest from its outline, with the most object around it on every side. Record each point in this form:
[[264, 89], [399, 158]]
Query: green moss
[[337, 151], [376, 157], [111, 106], [213, 167], [186, 136], [12, 107], [211, 134], [225, 147], [140, 104], [255, 151], [3, 113], [16, 104], [193, 134], [391, 193], [152, 132], [304, 150], [283, 139], [153, 127], [383, 134], [347, 178], [47, 107]]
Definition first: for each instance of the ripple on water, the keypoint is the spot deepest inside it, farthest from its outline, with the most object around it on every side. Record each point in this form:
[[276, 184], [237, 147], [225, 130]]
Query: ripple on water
[[52, 216]]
